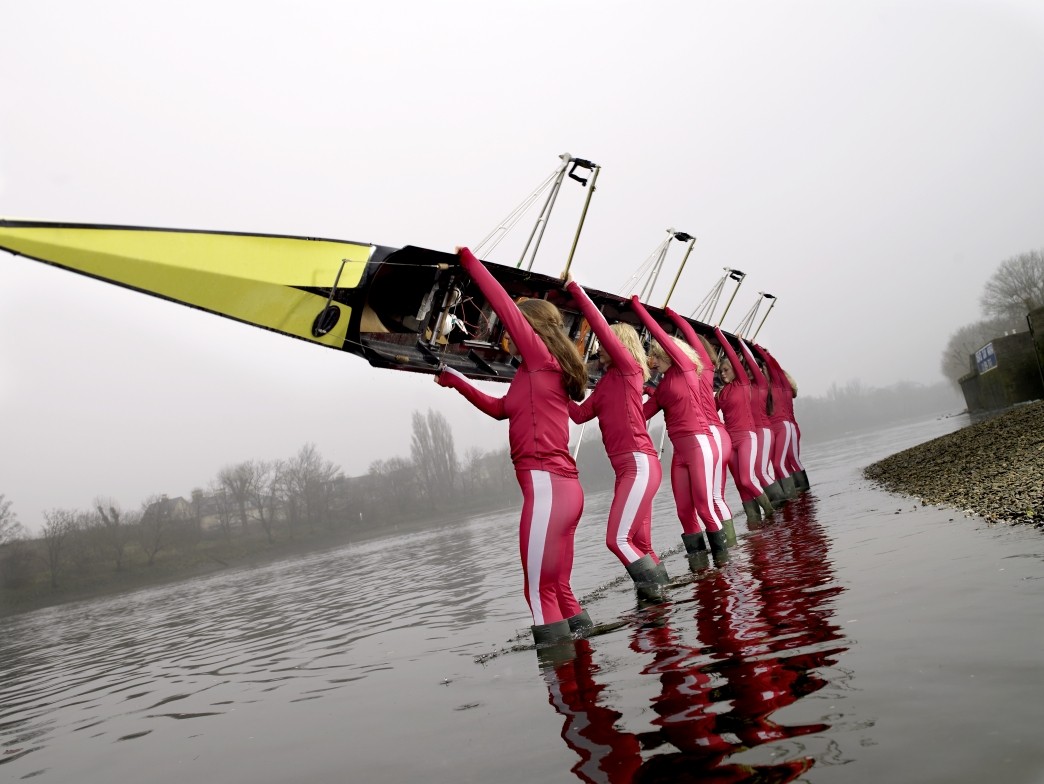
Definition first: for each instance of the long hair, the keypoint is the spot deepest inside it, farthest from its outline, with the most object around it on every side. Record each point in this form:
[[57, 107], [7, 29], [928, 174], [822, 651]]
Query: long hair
[[656, 352], [546, 321], [628, 337]]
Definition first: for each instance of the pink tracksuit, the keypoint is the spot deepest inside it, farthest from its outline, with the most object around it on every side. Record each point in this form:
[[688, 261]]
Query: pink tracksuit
[[787, 453], [734, 402], [762, 422], [692, 467], [538, 433], [617, 402], [721, 435]]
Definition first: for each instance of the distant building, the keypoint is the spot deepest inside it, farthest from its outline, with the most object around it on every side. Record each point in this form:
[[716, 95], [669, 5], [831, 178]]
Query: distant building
[[1007, 370]]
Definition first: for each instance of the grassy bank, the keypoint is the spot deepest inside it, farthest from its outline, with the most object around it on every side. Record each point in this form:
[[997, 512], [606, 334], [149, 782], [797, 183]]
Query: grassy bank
[[993, 468]]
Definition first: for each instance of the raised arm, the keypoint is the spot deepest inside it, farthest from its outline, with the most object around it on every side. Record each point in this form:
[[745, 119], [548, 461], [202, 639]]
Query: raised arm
[[678, 357], [775, 370], [755, 370], [582, 412], [620, 356], [776, 377], [487, 404], [529, 344], [734, 360], [692, 338]]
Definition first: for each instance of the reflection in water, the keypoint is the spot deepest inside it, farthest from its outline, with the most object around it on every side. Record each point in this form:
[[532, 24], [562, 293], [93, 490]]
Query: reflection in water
[[763, 628]]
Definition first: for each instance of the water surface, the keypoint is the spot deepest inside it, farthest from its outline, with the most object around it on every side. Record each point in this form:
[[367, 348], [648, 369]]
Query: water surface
[[862, 637]]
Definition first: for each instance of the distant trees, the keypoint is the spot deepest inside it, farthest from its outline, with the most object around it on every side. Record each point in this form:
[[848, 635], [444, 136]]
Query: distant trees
[[111, 530], [10, 528], [1016, 288], [59, 525]]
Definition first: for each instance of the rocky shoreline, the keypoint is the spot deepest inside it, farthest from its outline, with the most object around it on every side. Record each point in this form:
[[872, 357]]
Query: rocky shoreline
[[994, 468]]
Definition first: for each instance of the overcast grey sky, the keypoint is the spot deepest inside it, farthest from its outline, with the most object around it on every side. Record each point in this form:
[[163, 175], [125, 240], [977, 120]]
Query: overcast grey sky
[[869, 163]]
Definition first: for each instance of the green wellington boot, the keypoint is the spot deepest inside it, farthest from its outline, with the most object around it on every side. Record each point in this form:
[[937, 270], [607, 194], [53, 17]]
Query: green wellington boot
[[789, 487], [765, 504], [776, 494], [730, 532], [646, 584], [753, 512], [552, 633]]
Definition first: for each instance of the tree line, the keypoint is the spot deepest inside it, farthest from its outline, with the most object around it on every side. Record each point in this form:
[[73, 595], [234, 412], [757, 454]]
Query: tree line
[[302, 501], [1015, 289]]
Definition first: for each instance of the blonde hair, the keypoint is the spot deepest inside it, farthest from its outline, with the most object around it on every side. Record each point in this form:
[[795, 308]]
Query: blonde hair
[[628, 337], [793, 383], [546, 321], [656, 352]]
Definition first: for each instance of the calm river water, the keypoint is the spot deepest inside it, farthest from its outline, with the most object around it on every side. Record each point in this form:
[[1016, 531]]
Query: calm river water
[[860, 638]]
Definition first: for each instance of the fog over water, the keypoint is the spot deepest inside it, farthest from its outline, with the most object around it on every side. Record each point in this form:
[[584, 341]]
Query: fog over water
[[868, 163]]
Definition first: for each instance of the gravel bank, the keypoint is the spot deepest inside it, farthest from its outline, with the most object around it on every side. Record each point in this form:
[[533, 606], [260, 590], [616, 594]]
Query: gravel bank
[[993, 468]]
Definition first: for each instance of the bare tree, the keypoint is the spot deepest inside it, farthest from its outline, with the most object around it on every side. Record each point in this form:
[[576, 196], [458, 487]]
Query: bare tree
[[1016, 288], [956, 358], [237, 479], [263, 494], [224, 506], [10, 528], [434, 455], [312, 476], [112, 530], [155, 522], [14, 553], [58, 525]]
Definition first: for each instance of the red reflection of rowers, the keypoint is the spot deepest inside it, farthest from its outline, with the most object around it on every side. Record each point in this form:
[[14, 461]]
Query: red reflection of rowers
[[763, 627]]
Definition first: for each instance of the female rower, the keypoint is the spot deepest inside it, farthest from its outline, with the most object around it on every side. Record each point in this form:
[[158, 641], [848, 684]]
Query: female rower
[[692, 466], [788, 453], [721, 435], [734, 400], [760, 410], [551, 373], [617, 402]]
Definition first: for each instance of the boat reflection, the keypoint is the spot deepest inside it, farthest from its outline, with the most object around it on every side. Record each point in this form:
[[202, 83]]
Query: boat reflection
[[762, 630]]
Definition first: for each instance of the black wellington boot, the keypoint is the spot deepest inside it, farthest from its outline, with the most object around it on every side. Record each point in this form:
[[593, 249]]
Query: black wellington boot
[[551, 633], [719, 546], [752, 511], [801, 480]]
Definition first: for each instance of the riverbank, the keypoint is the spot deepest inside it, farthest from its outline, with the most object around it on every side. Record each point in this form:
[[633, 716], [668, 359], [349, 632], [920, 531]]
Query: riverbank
[[993, 468]]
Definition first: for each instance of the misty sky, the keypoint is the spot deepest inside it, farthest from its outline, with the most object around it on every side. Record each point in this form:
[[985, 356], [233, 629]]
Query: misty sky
[[869, 163]]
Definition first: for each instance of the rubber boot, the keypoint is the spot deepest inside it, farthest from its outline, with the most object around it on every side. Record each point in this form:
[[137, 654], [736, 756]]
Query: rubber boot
[[730, 532], [660, 574], [801, 480], [765, 504], [753, 512], [552, 633], [776, 494], [643, 572], [789, 488], [580, 623], [694, 543]]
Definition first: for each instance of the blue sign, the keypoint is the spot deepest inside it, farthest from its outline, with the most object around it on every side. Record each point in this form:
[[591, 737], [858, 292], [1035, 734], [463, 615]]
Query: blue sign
[[985, 359]]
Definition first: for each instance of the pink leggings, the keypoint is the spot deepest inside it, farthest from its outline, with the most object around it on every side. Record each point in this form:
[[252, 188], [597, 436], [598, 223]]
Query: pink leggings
[[724, 443], [763, 458], [780, 447], [692, 481], [628, 534], [551, 509], [792, 459], [744, 453]]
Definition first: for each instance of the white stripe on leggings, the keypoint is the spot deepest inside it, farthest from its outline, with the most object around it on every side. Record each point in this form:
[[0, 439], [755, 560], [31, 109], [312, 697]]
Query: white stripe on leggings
[[538, 525]]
